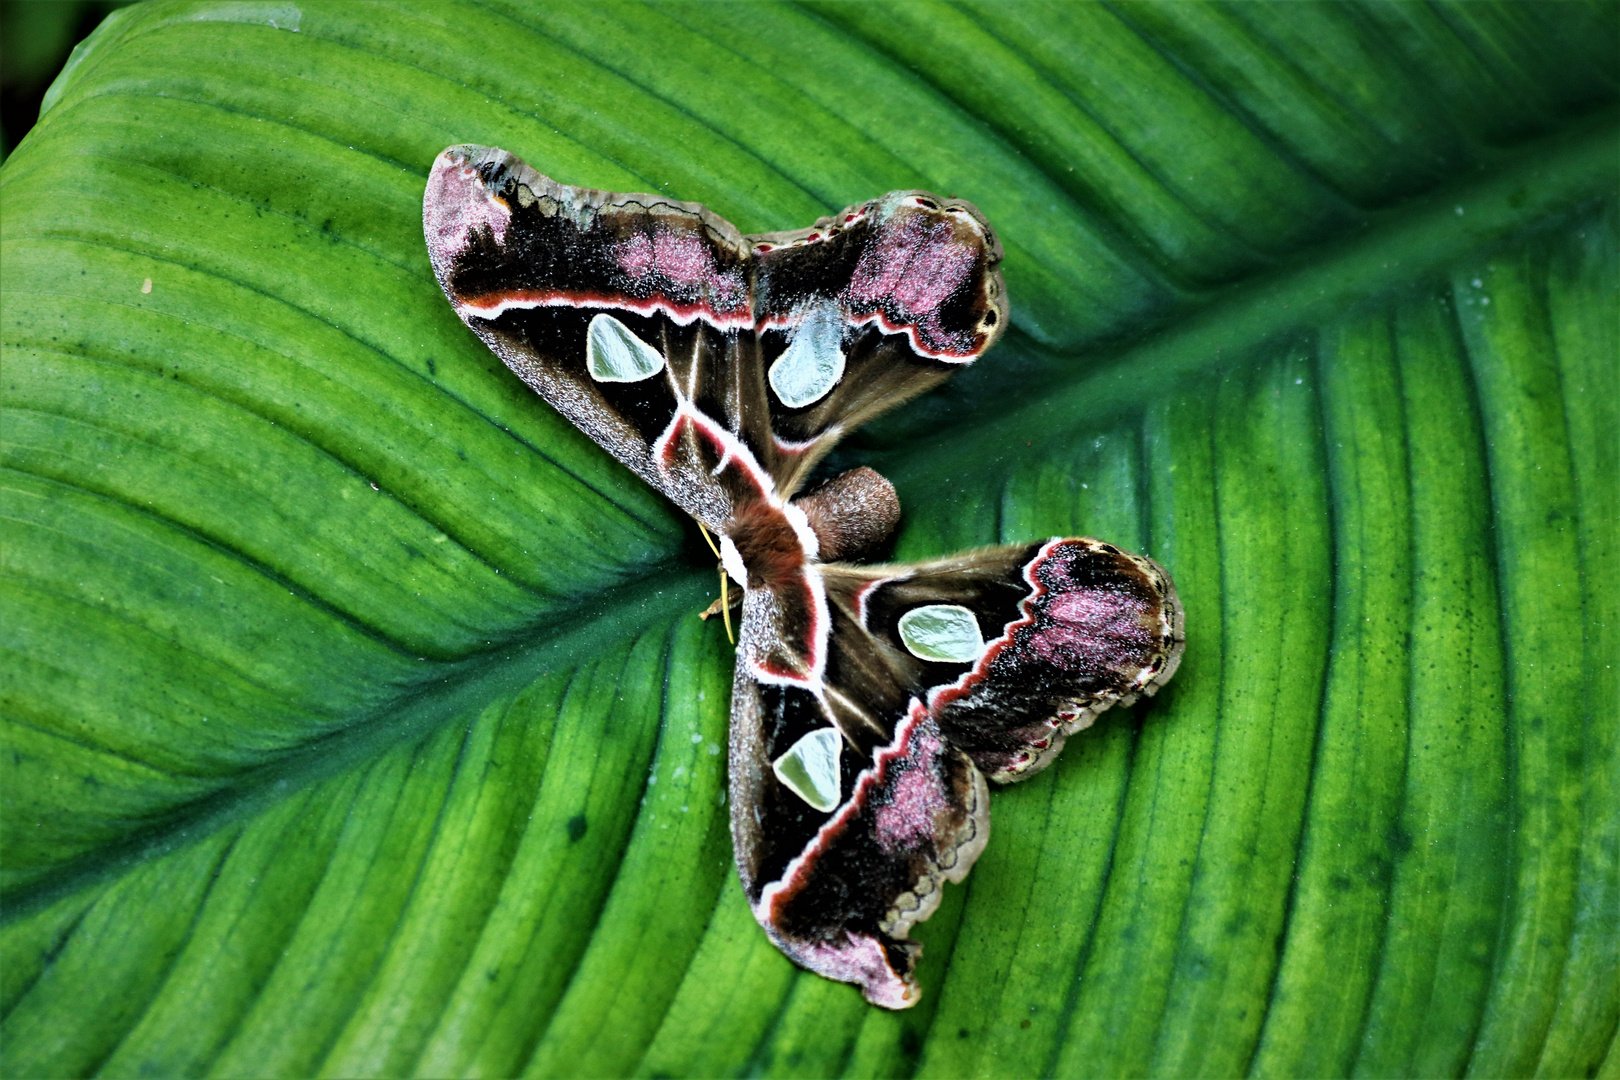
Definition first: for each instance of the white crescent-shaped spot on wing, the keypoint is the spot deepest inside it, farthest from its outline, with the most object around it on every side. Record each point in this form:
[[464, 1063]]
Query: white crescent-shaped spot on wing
[[613, 353], [947, 633], [813, 362], [810, 768]]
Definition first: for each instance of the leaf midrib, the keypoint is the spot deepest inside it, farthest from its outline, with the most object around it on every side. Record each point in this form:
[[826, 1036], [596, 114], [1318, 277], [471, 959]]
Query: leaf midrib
[[457, 689], [1534, 181]]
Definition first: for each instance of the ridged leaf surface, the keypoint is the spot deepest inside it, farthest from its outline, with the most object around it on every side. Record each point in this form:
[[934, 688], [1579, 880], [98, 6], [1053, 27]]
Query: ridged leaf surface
[[357, 718]]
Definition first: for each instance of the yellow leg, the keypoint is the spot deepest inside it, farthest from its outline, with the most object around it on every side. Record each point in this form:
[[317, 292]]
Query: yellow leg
[[725, 581], [725, 605]]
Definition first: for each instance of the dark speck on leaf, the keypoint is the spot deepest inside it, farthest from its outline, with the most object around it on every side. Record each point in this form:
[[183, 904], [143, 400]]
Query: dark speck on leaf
[[576, 828]]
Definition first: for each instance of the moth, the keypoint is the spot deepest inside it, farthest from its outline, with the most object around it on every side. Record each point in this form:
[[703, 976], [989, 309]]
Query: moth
[[870, 703]]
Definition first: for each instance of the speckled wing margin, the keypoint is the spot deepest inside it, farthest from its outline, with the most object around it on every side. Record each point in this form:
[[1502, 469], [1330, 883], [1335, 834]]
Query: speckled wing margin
[[869, 703]]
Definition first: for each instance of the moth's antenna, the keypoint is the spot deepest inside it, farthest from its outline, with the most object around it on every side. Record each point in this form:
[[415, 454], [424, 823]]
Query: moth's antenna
[[707, 539], [725, 604], [725, 581]]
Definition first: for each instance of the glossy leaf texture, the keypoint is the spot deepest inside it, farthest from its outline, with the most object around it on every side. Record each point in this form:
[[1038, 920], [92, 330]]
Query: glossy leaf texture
[[357, 719]]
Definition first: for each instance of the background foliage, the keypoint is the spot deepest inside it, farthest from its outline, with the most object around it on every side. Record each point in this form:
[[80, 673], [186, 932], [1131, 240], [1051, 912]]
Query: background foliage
[[35, 38], [357, 721]]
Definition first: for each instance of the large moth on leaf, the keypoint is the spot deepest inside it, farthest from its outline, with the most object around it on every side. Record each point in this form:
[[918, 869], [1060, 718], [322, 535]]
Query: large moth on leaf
[[870, 702]]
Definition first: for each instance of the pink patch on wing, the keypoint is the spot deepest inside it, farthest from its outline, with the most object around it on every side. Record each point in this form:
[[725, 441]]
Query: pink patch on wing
[[730, 292], [456, 202], [635, 256], [682, 257], [904, 819], [914, 265], [936, 270], [903, 790], [911, 267], [684, 265], [858, 958], [889, 764], [1083, 621]]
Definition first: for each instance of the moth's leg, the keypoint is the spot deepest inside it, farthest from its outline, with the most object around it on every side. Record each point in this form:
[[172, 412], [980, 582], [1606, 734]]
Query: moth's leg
[[724, 602]]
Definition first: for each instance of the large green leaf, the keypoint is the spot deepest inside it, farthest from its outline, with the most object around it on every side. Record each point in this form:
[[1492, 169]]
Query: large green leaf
[[357, 718]]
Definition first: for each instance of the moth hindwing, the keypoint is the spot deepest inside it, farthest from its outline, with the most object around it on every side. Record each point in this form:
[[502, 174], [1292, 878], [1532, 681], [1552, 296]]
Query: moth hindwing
[[870, 704]]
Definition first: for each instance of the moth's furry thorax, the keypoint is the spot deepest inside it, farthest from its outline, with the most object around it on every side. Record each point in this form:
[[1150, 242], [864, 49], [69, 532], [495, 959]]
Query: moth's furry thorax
[[766, 542]]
